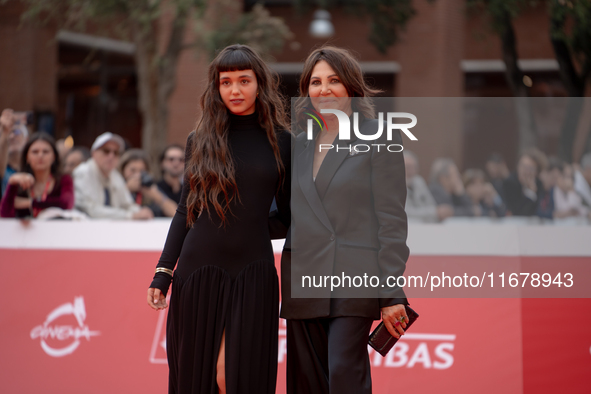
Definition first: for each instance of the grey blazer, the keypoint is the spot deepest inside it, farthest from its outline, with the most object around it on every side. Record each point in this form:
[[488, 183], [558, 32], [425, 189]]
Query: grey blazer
[[350, 222]]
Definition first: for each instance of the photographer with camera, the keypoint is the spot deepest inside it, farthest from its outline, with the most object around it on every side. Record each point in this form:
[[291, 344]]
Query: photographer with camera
[[135, 169]]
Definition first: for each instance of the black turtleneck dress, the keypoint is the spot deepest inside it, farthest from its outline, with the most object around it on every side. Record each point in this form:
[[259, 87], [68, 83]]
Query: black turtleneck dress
[[225, 277]]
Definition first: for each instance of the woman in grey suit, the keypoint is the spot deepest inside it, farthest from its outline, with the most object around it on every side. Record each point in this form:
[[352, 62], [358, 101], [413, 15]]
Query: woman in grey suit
[[348, 221]]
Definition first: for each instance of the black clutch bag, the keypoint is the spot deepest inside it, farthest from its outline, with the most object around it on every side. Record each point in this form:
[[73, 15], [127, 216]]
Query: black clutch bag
[[381, 340]]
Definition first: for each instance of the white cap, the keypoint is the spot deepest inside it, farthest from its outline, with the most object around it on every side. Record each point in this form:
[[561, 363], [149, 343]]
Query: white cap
[[106, 137]]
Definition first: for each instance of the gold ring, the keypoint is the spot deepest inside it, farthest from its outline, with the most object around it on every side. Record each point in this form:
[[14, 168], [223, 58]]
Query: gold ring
[[401, 319]]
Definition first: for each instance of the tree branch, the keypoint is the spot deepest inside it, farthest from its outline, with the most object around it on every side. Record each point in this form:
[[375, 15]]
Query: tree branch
[[513, 73], [169, 59], [568, 73], [586, 69]]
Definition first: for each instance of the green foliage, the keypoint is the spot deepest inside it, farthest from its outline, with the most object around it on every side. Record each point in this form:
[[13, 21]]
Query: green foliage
[[499, 12], [257, 29], [76, 14], [572, 24], [387, 17]]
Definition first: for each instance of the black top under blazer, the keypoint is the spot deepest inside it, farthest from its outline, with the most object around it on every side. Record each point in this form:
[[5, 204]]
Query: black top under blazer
[[350, 220]]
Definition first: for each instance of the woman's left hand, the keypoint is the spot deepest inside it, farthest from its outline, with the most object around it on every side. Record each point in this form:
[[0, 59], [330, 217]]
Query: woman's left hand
[[156, 299], [23, 179], [391, 316]]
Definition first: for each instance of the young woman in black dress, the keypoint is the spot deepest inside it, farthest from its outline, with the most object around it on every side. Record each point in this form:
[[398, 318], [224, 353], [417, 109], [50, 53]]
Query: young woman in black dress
[[222, 323]]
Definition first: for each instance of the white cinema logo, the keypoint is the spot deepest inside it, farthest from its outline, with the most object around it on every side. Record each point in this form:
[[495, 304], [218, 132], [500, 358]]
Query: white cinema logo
[[64, 332]]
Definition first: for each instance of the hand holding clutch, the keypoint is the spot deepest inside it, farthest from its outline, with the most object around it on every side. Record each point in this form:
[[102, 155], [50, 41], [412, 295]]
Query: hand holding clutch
[[382, 341]]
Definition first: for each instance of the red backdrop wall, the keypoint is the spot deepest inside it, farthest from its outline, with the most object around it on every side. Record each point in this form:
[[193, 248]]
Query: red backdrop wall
[[76, 321]]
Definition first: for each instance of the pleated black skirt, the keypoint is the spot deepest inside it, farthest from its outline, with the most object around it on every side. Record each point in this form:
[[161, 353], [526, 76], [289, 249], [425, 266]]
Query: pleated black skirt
[[206, 303]]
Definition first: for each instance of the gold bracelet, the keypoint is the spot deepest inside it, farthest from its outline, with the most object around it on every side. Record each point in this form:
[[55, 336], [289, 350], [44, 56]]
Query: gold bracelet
[[165, 270]]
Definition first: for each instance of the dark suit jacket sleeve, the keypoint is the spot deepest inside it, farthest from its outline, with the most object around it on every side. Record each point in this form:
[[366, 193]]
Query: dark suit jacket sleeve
[[280, 219], [389, 193]]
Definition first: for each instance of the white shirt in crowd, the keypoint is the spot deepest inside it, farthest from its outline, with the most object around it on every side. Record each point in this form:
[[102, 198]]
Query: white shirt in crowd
[[565, 201], [582, 187], [90, 196]]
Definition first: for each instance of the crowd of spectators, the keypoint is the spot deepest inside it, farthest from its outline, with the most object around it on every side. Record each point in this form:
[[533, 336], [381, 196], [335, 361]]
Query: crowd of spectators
[[111, 181], [541, 187], [40, 175]]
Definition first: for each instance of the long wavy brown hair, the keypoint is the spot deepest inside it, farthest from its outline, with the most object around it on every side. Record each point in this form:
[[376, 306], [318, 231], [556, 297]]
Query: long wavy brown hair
[[349, 71], [210, 169]]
